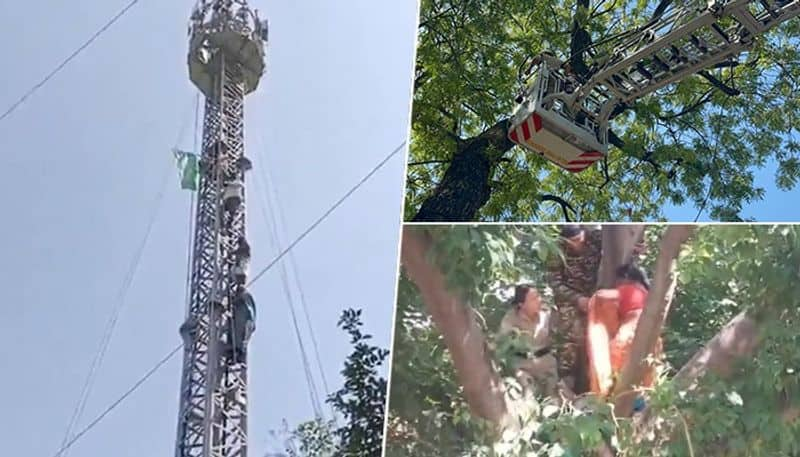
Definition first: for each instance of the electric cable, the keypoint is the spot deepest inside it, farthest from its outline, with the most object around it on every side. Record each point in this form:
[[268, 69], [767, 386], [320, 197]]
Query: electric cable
[[326, 214], [269, 266], [273, 201], [112, 323], [296, 273], [66, 61], [316, 405], [117, 310], [128, 393]]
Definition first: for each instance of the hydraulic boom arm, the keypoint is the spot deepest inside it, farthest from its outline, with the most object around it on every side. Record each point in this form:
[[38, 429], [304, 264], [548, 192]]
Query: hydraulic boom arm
[[686, 39]]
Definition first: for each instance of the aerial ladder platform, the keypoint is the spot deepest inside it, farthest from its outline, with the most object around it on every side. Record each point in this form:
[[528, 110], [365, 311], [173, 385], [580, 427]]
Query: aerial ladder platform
[[566, 120]]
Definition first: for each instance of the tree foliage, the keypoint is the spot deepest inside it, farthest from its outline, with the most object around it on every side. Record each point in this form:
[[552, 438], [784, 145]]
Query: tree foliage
[[360, 402], [689, 143], [750, 410]]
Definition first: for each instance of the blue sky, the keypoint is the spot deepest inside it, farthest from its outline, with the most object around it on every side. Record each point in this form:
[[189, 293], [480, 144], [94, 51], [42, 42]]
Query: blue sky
[[83, 162], [775, 207]]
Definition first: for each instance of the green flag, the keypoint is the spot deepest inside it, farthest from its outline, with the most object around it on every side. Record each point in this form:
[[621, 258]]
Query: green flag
[[187, 165]]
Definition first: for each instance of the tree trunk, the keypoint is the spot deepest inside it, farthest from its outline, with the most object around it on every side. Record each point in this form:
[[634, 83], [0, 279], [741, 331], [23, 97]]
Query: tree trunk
[[739, 338], [456, 321], [618, 243], [465, 188], [652, 318]]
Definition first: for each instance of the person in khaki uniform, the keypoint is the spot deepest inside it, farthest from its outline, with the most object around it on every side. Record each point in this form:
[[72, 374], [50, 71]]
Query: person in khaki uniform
[[535, 367], [574, 280]]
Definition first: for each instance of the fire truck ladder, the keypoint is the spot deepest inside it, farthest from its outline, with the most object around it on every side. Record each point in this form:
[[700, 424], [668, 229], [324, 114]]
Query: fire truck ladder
[[686, 40], [567, 121]]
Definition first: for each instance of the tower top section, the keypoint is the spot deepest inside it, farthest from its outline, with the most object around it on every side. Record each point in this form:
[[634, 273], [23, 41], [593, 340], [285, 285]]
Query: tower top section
[[226, 28]]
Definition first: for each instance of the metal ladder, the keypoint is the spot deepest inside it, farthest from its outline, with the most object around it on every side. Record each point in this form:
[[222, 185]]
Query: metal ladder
[[685, 40]]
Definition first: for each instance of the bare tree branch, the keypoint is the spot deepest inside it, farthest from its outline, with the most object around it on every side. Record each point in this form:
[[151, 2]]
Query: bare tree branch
[[427, 162], [727, 90], [705, 98], [566, 207]]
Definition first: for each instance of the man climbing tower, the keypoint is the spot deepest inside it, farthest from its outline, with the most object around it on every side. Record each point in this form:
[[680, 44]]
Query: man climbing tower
[[535, 367], [244, 323], [573, 280]]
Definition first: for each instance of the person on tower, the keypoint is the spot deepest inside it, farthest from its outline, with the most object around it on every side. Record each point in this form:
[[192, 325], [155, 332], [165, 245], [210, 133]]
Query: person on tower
[[241, 261], [264, 30], [573, 280], [244, 323], [233, 195]]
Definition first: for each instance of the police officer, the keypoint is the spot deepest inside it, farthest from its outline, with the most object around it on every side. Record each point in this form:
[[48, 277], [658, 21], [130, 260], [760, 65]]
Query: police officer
[[535, 366]]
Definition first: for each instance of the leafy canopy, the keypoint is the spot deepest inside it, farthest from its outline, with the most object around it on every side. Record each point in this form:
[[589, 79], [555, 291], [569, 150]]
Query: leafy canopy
[[722, 271], [689, 143], [360, 402]]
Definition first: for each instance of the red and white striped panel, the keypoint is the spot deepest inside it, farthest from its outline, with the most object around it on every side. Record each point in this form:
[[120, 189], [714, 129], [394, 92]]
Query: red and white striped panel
[[583, 161], [524, 135]]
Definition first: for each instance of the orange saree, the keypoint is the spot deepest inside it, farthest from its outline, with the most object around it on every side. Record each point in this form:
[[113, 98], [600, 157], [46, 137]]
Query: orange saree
[[613, 317]]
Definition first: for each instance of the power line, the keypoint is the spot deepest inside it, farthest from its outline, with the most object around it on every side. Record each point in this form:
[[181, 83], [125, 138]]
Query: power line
[[67, 60], [130, 391], [166, 358], [296, 273], [97, 362], [312, 387], [116, 312], [273, 203], [127, 282], [326, 214]]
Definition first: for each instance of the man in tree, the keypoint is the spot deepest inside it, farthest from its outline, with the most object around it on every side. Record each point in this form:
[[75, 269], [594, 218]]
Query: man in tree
[[574, 280], [535, 367]]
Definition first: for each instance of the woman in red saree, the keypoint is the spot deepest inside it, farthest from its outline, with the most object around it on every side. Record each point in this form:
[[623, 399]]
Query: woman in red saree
[[613, 317]]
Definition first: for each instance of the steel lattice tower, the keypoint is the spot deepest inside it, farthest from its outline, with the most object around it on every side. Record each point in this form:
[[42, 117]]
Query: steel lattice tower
[[226, 62]]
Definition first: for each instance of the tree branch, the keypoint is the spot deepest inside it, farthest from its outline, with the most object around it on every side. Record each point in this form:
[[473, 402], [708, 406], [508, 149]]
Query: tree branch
[[705, 98], [565, 205], [456, 321], [660, 8], [727, 90], [739, 338], [427, 162]]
